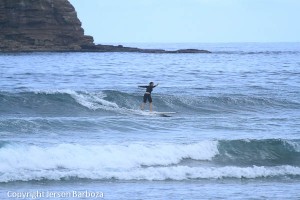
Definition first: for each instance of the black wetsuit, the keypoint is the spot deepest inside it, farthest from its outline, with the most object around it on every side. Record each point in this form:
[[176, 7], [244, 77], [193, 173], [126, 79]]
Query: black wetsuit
[[147, 95]]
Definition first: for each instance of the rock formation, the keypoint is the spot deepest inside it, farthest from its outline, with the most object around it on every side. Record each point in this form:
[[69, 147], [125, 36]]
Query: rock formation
[[52, 25], [30, 25]]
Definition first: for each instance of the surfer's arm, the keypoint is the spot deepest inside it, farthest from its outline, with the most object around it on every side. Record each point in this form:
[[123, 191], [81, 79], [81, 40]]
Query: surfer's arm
[[155, 85]]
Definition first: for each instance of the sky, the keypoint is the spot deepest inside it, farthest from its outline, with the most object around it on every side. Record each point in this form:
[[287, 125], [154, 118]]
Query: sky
[[190, 21]]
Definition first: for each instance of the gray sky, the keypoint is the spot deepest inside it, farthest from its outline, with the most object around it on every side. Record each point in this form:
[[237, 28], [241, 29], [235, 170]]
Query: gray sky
[[130, 21]]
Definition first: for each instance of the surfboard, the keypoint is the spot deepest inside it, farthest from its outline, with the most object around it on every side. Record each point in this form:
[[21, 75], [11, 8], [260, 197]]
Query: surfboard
[[166, 113], [163, 114], [154, 113]]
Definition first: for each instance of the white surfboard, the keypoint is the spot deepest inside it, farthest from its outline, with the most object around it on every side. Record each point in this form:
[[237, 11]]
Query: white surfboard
[[166, 113], [154, 113], [163, 114]]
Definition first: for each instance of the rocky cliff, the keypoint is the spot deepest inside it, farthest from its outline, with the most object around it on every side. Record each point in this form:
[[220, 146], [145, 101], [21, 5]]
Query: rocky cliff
[[51, 25], [27, 25]]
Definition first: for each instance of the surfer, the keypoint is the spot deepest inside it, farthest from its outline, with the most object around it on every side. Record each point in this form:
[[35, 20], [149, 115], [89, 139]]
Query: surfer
[[147, 95]]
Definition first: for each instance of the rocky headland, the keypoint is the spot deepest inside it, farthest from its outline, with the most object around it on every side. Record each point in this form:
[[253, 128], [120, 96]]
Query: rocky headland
[[52, 26]]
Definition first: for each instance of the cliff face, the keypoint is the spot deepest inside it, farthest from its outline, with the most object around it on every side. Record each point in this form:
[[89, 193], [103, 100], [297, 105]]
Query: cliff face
[[40, 25]]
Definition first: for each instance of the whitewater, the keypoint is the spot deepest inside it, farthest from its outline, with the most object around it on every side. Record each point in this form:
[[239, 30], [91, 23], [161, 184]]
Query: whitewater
[[70, 122]]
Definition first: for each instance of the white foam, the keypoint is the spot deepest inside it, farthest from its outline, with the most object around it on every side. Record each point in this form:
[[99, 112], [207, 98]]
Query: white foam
[[153, 173], [89, 100], [185, 173], [94, 101], [295, 145], [53, 91]]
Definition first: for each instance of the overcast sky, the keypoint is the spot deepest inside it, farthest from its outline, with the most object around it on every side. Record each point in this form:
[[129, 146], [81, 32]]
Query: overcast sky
[[130, 21]]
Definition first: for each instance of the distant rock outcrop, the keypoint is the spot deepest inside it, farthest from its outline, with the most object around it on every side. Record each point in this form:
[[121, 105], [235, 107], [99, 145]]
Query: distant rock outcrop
[[52, 25]]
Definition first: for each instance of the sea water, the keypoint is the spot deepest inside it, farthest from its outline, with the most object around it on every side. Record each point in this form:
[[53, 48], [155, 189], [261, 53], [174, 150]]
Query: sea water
[[71, 128]]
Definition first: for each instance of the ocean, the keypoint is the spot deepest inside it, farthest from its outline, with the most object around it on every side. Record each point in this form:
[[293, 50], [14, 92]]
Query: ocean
[[71, 127]]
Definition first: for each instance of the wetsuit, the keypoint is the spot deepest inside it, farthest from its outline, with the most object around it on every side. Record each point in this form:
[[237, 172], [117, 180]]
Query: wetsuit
[[147, 95]]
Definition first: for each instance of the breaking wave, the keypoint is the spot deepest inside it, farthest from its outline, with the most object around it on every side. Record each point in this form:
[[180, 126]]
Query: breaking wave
[[73, 103], [146, 161]]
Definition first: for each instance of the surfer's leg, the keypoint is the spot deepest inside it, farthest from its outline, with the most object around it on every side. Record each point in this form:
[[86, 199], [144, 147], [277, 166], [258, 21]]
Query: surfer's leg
[[150, 103], [142, 106], [144, 102]]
